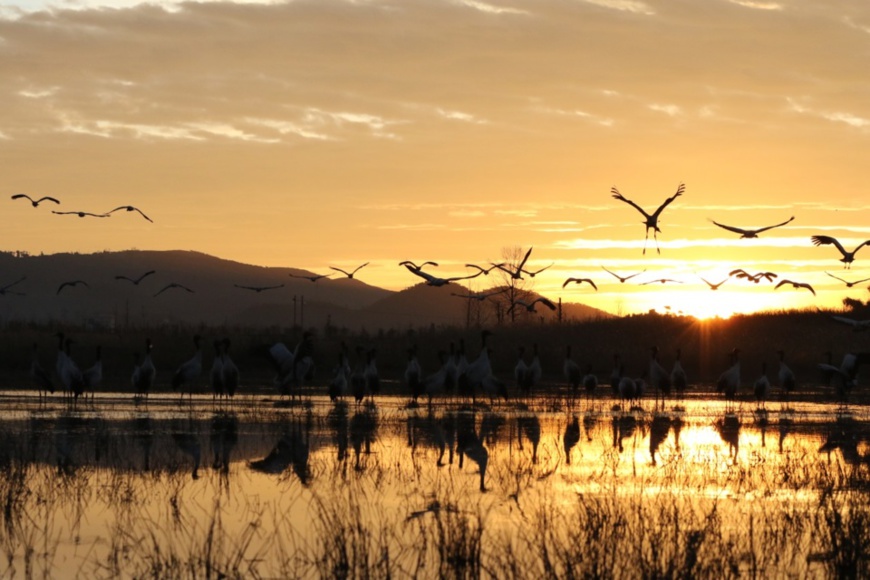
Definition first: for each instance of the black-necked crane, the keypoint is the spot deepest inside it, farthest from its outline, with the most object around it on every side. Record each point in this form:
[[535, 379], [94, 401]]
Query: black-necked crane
[[35, 202], [857, 325], [190, 370], [762, 386], [517, 273], [438, 281], [661, 281], [651, 221], [751, 233], [572, 373], [756, 278], [848, 257], [41, 377], [616, 375], [352, 272], [622, 279], [144, 372], [785, 375], [434, 385], [216, 375], [130, 208], [409, 264], [414, 373], [81, 214], [93, 375], [7, 288], [371, 375], [71, 284], [172, 285], [479, 296], [713, 285], [728, 382], [534, 371], [292, 366], [138, 279], [794, 284], [71, 375], [259, 289], [521, 369], [533, 273], [845, 376], [485, 271], [679, 379], [846, 282], [590, 381], [530, 306], [339, 386], [312, 277], [230, 370], [358, 378], [658, 376], [579, 281]]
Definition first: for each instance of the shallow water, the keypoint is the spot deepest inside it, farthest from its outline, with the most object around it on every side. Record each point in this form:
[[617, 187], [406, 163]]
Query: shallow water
[[197, 488]]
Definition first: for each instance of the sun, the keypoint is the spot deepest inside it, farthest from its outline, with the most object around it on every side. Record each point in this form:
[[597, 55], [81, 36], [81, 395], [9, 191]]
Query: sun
[[707, 304]]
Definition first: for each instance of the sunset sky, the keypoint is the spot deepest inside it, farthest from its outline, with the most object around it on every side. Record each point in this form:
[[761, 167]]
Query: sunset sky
[[329, 133]]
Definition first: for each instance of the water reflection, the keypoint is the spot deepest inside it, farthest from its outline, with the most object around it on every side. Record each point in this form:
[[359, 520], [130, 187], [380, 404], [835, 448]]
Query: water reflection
[[729, 430], [291, 451], [571, 437], [363, 434]]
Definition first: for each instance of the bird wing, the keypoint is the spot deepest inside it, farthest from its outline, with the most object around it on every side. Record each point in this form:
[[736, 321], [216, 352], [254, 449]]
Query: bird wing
[[545, 302], [865, 243], [143, 214], [825, 240], [537, 271], [844, 320], [668, 201], [740, 273], [362, 266], [417, 272], [731, 228], [8, 286], [164, 289], [764, 229], [609, 272], [143, 276], [464, 277], [47, 198], [20, 195], [340, 270], [620, 197], [838, 278], [523, 262]]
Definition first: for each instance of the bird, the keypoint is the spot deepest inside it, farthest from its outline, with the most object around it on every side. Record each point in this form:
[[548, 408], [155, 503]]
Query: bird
[[530, 306], [40, 376], [848, 257], [516, 274], [410, 264], [579, 281], [93, 375], [749, 233], [622, 279], [534, 370], [729, 381], [173, 285], [216, 375], [534, 273], [661, 281], [713, 286], [521, 369], [312, 278], [144, 373], [136, 281], [651, 221], [571, 371], [481, 296], [190, 370], [679, 380], [485, 271], [741, 273], [130, 208], [795, 285], [762, 385], [69, 372], [35, 202], [414, 374], [857, 325], [590, 381], [435, 280], [785, 375], [81, 214], [71, 283], [6, 289], [351, 273], [258, 289], [658, 376], [847, 283], [229, 369], [339, 385], [370, 374]]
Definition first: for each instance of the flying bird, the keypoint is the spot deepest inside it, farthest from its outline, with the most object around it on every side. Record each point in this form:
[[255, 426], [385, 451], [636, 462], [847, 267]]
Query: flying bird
[[795, 285], [514, 274], [71, 283], [533, 274], [258, 289], [479, 295], [530, 306], [81, 214], [748, 233], [313, 277], [711, 284], [740, 273], [846, 282], [485, 271], [173, 285], [622, 279], [136, 281], [650, 221], [848, 257], [436, 281], [661, 281], [409, 263], [579, 281], [130, 208], [34, 202], [857, 325], [6, 289], [349, 274]]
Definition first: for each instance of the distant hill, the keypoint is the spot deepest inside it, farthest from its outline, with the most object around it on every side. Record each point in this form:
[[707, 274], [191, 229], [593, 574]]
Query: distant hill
[[216, 300]]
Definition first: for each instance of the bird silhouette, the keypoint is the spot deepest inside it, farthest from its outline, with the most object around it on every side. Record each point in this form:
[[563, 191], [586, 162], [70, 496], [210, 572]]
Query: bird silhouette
[[312, 278], [661, 281], [848, 257], [481, 296], [485, 271], [651, 221], [6, 289], [762, 386], [846, 282], [534, 273], [34, 202], [713, 286], [749, 233], [71, 283], [516, 274], [410, 264], [857, 325], [172, 285], [351, 273], [435, 280], [795, 285], [190, 370], [530, 306], [579, 281], [622, 279], [741, 273], [258, 289], [130, 208], [81, 214], [136, 281]]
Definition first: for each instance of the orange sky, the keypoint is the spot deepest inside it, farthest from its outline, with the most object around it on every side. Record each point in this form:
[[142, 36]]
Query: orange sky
[[318, 133]]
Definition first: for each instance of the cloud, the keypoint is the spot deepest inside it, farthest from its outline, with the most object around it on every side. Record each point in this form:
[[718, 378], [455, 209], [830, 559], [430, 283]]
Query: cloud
[[288, 128], [632, 6], [758, 5], [489, 8], [670, 110], [850, 119]]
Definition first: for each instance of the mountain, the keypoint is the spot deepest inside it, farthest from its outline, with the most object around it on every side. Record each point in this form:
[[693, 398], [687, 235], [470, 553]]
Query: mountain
[[216, 299]]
